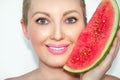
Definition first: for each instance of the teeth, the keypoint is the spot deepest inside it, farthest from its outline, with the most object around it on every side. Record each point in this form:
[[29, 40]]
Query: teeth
[[54, 48]]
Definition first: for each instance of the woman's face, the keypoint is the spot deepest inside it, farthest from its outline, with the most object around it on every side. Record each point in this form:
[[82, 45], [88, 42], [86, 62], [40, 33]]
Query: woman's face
[[53, 28]]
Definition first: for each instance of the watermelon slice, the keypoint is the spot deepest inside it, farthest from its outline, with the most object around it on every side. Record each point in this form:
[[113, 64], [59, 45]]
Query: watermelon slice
[[95, 40]]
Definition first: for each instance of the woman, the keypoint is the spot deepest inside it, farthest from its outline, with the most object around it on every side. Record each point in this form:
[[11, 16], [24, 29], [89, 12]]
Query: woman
[[49, 25]]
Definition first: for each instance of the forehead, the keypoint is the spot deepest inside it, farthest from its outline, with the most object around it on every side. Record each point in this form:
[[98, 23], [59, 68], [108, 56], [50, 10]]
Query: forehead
[[54, 5], [55, 1]]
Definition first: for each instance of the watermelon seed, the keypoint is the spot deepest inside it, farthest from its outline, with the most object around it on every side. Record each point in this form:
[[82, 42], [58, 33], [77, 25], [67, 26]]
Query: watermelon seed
[[97, 21], [92, 44], [85, 52], [96, 24], [77, 59], [97, 31], [72, 61], [103, 21], [99, 17]]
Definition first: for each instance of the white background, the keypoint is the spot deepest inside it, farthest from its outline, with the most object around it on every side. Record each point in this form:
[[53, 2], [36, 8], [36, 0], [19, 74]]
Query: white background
[[16, 58]]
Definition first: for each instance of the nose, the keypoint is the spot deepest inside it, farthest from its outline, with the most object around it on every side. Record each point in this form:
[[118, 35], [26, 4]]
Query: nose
[[57, 34]]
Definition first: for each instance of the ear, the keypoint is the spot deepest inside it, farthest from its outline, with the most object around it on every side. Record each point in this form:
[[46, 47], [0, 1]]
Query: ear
[[25, 29]]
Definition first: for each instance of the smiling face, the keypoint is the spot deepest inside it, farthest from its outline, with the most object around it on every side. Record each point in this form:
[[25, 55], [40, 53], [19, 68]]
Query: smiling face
[[53, 27]]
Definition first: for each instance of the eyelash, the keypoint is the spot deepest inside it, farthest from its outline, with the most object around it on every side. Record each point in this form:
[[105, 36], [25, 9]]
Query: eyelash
[[42, 21], [45, 21], [69, 19]]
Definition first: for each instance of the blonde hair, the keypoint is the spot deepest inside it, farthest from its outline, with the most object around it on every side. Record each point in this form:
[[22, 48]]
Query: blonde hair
[[27, 3]]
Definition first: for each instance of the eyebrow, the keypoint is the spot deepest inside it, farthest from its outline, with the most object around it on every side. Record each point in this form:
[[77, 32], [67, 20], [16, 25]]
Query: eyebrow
[[70, 11], [40, 12], [66, 13]]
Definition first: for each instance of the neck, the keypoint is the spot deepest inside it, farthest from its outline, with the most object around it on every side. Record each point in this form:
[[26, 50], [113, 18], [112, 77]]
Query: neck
[[53, 73]]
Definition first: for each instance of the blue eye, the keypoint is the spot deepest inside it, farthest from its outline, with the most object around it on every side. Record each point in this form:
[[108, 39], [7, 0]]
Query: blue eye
[[42, 21], [71, 20]]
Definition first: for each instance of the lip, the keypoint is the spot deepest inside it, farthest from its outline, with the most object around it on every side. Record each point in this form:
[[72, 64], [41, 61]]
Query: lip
[[57, 49]]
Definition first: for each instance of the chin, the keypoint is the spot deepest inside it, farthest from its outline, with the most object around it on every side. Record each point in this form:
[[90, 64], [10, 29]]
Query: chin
[[58, 63], [54, 60]]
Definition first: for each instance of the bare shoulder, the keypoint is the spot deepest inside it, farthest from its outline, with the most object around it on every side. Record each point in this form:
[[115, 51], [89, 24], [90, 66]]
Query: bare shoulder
[[12, 79], [110, 77], [16, 78], [23, 77], [28, 76]]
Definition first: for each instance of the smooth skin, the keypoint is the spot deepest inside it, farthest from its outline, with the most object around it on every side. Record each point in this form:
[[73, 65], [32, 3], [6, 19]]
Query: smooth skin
[[60, 22]]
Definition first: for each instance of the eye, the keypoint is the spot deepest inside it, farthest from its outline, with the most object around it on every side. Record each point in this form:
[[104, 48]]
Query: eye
[[71, 20], [42, 21]]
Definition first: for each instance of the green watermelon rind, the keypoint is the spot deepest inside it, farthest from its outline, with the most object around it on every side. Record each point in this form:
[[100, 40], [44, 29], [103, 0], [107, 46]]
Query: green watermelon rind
[[109, 44]]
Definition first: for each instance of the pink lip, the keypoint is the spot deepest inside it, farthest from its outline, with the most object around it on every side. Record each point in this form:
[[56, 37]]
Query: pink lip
[[57, 49]]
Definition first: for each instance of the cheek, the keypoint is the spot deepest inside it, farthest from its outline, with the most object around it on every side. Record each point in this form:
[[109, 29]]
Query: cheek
[[38, 35], [74, 32]]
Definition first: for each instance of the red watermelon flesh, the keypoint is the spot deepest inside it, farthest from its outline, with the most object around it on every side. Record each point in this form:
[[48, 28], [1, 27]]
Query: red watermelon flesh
[[95, 40]]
